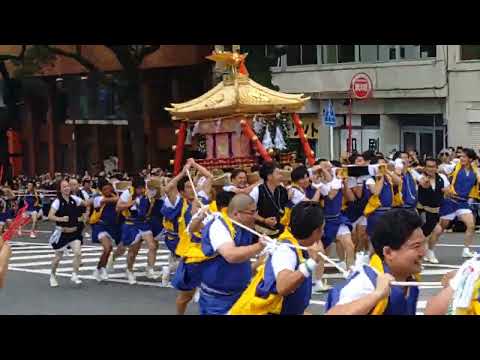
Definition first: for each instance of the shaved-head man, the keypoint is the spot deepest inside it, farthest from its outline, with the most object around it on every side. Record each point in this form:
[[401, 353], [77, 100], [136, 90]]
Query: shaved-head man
[[228, 273]]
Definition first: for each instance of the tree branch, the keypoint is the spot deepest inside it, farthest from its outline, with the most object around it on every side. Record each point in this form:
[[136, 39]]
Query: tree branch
[[147, 50], [76, 56], [14, 57]]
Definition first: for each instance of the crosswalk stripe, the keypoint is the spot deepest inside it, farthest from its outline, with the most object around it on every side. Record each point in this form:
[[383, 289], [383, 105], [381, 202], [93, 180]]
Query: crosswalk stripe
[[116, 266], [70, 261]]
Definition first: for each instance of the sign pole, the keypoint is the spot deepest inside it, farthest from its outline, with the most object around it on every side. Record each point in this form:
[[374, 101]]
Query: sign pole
[[331, 141], [350, 147]]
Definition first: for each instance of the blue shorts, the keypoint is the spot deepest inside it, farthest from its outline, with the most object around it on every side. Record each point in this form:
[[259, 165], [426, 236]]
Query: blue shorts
[[157, 228], [132, 234], [112, 231], [331, 229], [450, 206], [188, 276], [215, 304], [171, 240]]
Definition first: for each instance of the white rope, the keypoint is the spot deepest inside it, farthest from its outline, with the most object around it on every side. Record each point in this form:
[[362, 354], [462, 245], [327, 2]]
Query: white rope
[[325, 258]]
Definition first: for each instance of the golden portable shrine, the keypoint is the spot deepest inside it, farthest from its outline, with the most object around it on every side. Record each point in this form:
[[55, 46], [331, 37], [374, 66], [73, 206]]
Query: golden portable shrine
[[225, 114]]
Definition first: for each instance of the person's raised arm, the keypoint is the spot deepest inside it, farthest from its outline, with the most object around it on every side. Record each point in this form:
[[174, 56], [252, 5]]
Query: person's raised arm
[[207, 185], [171, 188]]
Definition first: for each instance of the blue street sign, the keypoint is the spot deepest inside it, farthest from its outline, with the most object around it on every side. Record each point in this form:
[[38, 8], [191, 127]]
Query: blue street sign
[[329, 118]]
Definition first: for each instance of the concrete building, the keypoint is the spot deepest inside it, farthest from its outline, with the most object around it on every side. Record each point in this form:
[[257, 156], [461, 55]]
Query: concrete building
[[424, 97]]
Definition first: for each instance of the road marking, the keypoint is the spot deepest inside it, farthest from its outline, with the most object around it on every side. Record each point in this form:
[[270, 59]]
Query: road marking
[[117, 266], [457, 245], [70, 261], [90, 277], [443, 265]]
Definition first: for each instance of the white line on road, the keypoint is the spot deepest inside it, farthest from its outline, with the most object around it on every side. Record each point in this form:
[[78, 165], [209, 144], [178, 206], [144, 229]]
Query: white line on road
[[70, 261], [457, 245]]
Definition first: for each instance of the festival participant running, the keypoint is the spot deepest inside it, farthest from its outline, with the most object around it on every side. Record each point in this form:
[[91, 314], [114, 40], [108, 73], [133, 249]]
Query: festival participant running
[[337, 226], [83, 212], [283, 286], [399, 246], [464, 185], [105, 225], [408, 186], [432, 187], [239, 183], [271, 199], [64, 211], [177, 209], [155, 218], [380, 194], [302, 190], [227, 274], [189, 272], [134, 207], [33, 201], [355, 209]]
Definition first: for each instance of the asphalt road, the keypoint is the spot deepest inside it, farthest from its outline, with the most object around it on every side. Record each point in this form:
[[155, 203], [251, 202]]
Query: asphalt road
[[27, 291]]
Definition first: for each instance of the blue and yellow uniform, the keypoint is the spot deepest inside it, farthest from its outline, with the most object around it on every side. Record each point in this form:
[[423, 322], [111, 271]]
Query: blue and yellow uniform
[[136, 221], [222, 282], [104, 221], [377, 205], [334, 218], [398, 302], [33, 202], [261, 296], [173, 215], [463, 186], [156, 218]]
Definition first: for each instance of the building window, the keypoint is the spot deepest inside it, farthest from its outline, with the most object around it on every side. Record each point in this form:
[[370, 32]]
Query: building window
[[301, 55], [428, 51], [368, 53], [346, 53], [470, 52], [371, 121]]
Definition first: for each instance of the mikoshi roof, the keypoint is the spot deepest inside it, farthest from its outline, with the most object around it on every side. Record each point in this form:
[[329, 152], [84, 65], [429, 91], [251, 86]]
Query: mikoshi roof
[[237, 94]]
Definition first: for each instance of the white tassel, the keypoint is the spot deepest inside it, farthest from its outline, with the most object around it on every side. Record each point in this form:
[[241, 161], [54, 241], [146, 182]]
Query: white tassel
[[267, 140], [195, 128], [279, 141]]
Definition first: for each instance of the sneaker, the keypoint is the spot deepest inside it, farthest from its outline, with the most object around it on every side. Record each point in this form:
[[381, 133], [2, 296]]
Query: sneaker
[[430, 257], [165, 275], [110, 263], [53, 281], [131, 278], [151, 274], [361, 258], [87, 235], [32, 235], [467, 253], [96, 275], [103, 274], [321, 286], [75, 279]]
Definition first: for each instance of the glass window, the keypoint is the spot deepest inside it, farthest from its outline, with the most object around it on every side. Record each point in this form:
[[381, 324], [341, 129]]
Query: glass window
[[428, 51], [368, 53], [309, 54], [346, 53], [293, 55], [371, 120], [470, 52], [330, 54]]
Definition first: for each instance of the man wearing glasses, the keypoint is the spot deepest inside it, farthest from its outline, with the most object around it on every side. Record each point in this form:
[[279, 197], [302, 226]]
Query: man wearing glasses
[[228, 273]]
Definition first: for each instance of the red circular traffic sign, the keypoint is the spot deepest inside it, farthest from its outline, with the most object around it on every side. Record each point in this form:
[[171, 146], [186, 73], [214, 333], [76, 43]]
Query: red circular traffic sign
[[361, 86]]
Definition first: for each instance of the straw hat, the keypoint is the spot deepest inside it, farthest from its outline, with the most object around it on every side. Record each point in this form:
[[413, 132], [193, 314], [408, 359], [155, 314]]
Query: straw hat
[[123, 185]]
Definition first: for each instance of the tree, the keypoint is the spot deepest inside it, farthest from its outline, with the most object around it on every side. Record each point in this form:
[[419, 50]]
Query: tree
[[130, 78]]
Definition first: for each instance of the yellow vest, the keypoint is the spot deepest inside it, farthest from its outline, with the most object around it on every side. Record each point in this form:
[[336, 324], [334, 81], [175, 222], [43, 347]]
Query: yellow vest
[[474, 193], [249, 303], [374, 203], [377, 264]]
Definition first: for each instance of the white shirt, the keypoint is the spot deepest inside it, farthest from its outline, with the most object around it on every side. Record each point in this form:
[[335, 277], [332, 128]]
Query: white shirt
[[358, 287], [283, 258], [230, 188], [297, 196], [254, 194], [446, 182], [126, 197], [168, 203], [56, 203], [219, 234], [369, 182]]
